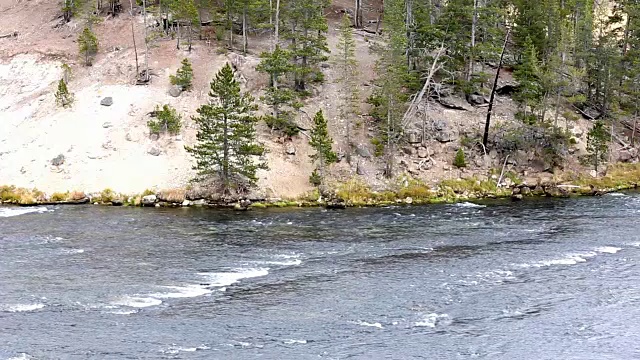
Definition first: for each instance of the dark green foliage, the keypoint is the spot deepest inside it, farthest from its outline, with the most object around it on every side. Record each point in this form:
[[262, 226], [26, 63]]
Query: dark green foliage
[[184, 75], [168, 120], [315, 179], [322, 143], [529, 94], [63, 97], [597, 144], [459, 160], [227, 146], [88, 45]]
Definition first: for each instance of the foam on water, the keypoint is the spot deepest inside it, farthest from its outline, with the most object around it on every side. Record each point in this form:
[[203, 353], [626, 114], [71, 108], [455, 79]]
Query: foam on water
[[229, 278], [137, 302], [73, 251], [124, 312], [21, 356], [182, 292], [294, 341], [616, 194], [16, 211], [608, 249], [292, 262], [177, 349], [569, 259], [364, 323], [21, 307], [467, 204], [431, 320]]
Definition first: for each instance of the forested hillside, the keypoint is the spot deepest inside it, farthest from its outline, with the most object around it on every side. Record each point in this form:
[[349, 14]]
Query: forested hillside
[[362, 91]]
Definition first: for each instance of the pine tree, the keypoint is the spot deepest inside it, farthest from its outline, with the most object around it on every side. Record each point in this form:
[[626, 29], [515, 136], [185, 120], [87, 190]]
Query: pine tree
[[348, 67], [597, 144], [459, 160], [306, 32], [529, 93], [63, 97], [226, 137], [281, 99], [168, 120], [321, 142], [184, 75], [88, 45]]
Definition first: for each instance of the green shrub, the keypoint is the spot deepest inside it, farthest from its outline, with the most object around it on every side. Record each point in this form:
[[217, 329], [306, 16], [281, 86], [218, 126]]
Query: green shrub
[[459, 160], [184, 75], [315, 179], [282, 123], [168, 120], [378, 146]]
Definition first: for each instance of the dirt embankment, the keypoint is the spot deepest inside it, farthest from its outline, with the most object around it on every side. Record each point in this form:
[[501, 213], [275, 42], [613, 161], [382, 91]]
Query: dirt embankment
[[98, 147]]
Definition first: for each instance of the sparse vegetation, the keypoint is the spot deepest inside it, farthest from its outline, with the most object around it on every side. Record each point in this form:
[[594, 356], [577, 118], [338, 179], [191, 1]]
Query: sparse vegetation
[[459, 160], [88, 45], [168, 121], [63, 97], [184, 75]]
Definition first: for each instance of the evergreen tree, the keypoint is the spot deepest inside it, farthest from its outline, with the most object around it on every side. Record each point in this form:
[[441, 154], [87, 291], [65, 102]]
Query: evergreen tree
[[168, 120], [597, 144], [321, 142], [88, 45], [63, 97], [306, 32], [281, 99], [184, 75], [226, 137], [348, 70], [459, 161], [529, 93]]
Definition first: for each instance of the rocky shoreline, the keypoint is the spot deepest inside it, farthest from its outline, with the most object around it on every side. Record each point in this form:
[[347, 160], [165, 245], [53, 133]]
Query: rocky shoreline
[[350, 194]]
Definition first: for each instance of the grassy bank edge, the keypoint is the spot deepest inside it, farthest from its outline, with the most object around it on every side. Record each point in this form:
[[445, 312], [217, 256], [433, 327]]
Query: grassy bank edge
[[354, 193]]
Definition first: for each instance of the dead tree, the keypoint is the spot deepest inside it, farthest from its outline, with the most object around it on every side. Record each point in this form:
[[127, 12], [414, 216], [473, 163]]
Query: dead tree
[[485, 137]]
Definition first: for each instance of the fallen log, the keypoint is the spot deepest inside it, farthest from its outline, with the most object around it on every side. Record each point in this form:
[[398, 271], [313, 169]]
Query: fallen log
[[13, 34]]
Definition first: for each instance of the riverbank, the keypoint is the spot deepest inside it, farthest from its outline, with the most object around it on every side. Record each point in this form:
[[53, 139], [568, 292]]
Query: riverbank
[[354, 193]]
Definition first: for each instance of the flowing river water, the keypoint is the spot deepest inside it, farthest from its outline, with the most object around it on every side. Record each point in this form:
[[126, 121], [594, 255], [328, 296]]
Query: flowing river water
[[540, 279]]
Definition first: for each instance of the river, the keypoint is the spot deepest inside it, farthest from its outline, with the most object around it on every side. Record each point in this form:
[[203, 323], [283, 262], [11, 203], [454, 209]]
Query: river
[[540, 279]]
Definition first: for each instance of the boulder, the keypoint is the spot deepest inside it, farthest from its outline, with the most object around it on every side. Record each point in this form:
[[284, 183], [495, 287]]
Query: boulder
[[455, 103], [199, 202], [423, 153], [117, 202], [627, 155], [108, 101], [154, 151], [517, 197], [476, 99], [149, 200], [107, 125], [446, 136], [362, 151], [58, 160], [175, 90], [360, 169], [290, 149], [410, 150]]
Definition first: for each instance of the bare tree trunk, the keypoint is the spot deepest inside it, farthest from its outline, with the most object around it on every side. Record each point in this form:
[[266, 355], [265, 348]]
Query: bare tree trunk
[[472, 49], [230, 25], [190, 35], [178, 37], [485, 137], [357, 15], [245, 39], [133, 35], [146, 43]]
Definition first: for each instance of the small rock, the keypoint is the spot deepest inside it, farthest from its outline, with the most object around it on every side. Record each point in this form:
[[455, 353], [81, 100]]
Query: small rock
[[446, 136], [108, 101], [423, 153], [154, 137], [290, 149], [477, 99], [149, 200], [186, 203], [362, 151], [107, 125], [593, 173], [117, 202], [128, 137], [413, 138], [360, 170], [408, 200], [58, 160], [409, 150], [325, 65], [154, 151], [199, 202], [517, 197], [175, 90], [493, 154], [178, 138]]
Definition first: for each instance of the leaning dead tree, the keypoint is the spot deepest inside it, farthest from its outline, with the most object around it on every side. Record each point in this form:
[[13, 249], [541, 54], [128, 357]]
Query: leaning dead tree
[[436, 65]]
